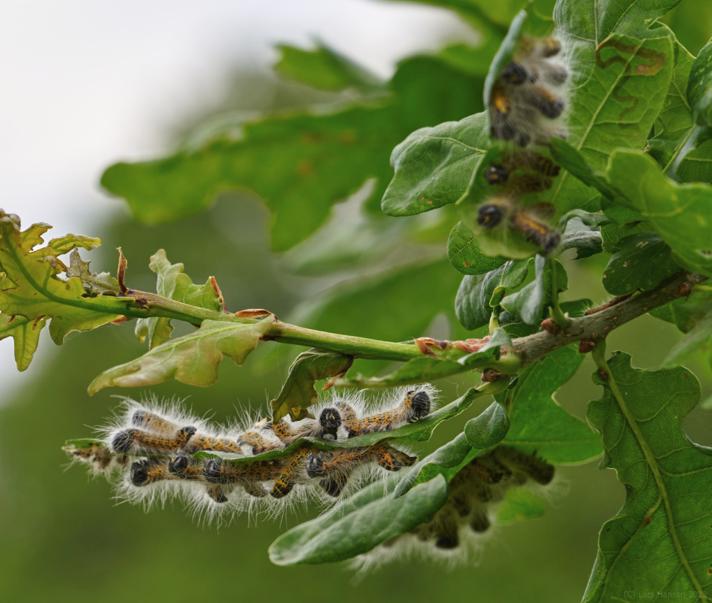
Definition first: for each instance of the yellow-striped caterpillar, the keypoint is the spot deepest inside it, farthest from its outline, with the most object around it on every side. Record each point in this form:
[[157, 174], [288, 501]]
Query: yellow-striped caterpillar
[[503, 210]]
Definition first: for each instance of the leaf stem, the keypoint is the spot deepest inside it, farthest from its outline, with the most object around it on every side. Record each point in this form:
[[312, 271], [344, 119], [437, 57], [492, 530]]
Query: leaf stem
[[555, 311]]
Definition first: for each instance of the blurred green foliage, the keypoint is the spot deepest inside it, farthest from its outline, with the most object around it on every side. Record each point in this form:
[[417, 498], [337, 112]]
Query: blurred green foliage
[[66, 540]]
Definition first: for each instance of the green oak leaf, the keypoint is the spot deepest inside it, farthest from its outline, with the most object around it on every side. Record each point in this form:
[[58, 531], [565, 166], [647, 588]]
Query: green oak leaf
[[699, 87], [488, 428], [686, 313], [538, 424], [33, 291], [658, 541], [478, 295], [418, 370], [596, 21], [578, 235], [365, 520], [674, 125], [436, 166], [191, 359], [640, 263], [324, 68], [172, 282], [298, 392], [464, 252], [618, 67], [531, 301], [698, 336], [696, 165], [680, 213]]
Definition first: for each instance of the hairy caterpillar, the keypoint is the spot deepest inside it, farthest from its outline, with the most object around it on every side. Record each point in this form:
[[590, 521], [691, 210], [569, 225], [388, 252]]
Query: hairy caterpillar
[[522, 172], [455, 530], [503, 209], [335, 467], [527, 99], [414, 406], [153, 447]]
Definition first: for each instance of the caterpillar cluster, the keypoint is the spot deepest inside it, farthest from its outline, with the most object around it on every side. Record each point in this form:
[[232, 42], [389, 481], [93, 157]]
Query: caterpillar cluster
[[154, 449], [527, 99], [452, 533]]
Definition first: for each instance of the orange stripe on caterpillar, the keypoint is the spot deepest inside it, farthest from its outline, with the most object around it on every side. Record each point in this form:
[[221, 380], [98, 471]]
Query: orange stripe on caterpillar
[[139, 441]]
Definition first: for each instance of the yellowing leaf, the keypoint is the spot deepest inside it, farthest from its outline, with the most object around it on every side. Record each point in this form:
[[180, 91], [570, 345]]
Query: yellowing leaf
[[174, 283], [191, 359], [32, 289]]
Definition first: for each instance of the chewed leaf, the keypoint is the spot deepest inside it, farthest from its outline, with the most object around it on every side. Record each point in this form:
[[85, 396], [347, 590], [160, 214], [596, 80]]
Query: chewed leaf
[[36, 287], [298, 392], [191, 359], [666, 516], [369, 518], [172, 282]]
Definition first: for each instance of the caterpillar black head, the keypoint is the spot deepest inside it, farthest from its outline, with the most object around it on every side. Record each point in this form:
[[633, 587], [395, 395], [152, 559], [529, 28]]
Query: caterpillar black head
[[420, 405], [178, 465], [490, 215], [315, 465], [212, 470], [123, 440], [139, 472], [496, 174], [330, 421]]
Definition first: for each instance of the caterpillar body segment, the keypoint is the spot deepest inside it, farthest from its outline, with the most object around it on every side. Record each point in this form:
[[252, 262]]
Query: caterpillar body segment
[[529, 97], [522, 172], [97, 456], [138, 441], [499, 210], [526, 465], [292, 472], [153, 422], [212, 443]]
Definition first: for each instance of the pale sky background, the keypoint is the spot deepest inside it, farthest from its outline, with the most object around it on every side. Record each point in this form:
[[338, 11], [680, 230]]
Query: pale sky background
[[86, 82]]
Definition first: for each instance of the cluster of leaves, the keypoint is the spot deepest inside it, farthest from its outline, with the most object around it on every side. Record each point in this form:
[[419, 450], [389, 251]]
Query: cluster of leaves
[[635, 189]]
